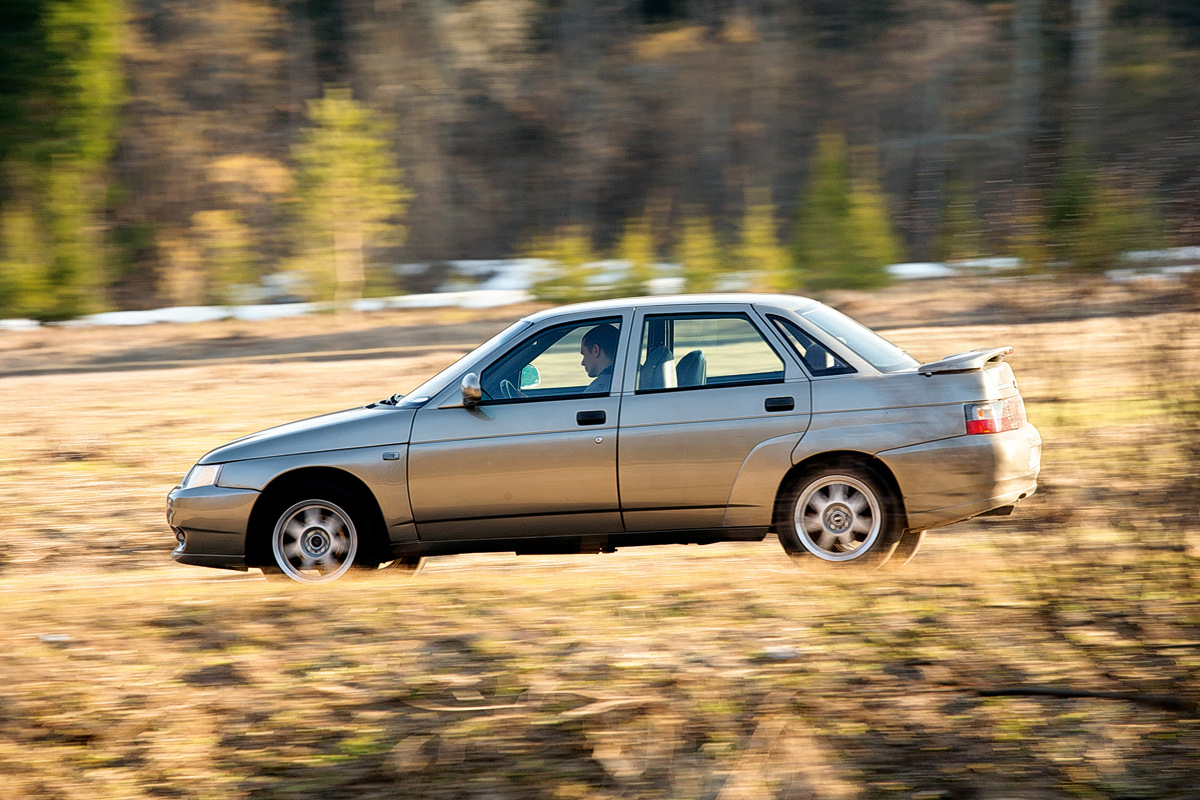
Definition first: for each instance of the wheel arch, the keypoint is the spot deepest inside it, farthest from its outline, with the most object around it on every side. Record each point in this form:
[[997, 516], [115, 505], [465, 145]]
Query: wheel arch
[[874, 465], [258, 532]]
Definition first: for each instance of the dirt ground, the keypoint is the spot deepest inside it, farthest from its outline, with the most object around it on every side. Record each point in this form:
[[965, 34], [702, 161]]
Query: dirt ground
[[1051, 654]]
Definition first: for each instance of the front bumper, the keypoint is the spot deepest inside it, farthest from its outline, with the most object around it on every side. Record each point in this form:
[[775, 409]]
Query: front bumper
[[213, 522], [955, 479]]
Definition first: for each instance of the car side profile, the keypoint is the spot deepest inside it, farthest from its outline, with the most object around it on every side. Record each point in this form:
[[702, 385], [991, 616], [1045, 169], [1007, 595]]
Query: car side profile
[[584, 428]]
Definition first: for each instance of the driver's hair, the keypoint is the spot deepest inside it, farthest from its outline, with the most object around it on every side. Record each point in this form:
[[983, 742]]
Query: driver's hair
[[604, 335]]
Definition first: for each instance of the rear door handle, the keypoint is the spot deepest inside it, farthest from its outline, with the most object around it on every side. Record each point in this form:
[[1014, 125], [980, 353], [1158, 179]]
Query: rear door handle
[[779, 404], [590, 418]]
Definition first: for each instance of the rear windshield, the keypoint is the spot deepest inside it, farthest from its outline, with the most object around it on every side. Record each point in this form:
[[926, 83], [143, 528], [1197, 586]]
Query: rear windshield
[[870, 346]]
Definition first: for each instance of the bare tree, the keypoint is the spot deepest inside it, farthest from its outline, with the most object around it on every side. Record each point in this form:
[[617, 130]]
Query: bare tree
[[1088, 21], [1027, 74]]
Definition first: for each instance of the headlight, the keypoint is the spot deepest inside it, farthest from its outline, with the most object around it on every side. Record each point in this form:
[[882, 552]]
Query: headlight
[[201, 475]]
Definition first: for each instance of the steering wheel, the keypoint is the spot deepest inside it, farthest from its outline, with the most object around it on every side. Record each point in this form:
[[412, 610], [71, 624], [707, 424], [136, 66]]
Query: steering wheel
[[509, 390]]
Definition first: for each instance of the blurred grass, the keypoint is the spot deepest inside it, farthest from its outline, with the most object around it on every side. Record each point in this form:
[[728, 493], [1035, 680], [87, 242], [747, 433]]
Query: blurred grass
[[711, 669], [717, 672]]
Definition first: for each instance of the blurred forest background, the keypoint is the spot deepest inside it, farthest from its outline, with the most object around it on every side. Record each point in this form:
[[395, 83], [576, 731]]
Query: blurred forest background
[[177, 152]]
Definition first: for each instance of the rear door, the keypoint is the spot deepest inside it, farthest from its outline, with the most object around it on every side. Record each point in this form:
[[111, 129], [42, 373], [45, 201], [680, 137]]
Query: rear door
[[703, 390]]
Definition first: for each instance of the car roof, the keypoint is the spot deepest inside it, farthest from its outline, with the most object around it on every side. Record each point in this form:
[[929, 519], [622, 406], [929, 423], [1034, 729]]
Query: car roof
[[783, 301]]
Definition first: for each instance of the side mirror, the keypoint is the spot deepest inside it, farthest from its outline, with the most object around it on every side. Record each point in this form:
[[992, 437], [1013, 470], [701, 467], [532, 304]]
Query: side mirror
[[530, 377], [472, 394]]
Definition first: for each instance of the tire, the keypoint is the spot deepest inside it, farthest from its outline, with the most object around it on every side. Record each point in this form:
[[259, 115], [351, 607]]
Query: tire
[[316, 534], [404, 568], [842, 514]]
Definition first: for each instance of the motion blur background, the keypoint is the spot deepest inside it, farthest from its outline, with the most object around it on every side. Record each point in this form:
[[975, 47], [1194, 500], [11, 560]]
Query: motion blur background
[[159, 152], [163, 155]]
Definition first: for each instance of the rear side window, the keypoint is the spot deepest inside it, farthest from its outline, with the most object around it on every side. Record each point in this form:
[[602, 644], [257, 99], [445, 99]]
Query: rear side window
[[873, 348], [818, 358], [679, 352]]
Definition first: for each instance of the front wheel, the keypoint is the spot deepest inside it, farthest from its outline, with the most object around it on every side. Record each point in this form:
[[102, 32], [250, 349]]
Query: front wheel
[[842, 514], [315, 539]]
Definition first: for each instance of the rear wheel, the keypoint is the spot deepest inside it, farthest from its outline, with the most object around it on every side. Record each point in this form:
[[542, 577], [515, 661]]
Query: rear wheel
[[842, 514]]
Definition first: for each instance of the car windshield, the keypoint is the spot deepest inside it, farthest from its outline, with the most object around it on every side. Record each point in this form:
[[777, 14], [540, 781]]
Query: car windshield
[[870, 346], [420, 395]]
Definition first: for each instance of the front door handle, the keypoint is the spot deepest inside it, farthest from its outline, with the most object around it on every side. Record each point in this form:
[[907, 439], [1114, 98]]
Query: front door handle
[[779, 404], [590, 417]]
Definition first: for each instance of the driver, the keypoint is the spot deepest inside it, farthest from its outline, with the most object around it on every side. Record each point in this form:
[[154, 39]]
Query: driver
[[598, 347]]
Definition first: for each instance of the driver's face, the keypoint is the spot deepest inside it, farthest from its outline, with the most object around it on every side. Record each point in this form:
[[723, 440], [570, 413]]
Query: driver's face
[[593, 359]]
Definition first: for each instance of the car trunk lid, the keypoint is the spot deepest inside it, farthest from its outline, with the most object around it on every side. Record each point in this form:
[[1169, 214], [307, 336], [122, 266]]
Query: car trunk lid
[[1000, 406]]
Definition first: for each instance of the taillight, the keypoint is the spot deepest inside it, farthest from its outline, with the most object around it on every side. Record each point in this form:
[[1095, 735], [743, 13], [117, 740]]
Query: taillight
[[1001, 415]]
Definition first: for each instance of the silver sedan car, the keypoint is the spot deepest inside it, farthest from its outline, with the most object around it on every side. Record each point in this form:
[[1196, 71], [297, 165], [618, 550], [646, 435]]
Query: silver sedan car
[[584, 428]]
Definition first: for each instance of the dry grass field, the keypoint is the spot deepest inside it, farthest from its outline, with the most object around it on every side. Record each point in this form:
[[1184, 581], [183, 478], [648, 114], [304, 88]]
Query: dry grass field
[[1051, 654]]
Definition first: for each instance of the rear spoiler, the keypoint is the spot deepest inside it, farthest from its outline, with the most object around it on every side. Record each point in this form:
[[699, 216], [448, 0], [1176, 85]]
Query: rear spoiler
[[966, 362]]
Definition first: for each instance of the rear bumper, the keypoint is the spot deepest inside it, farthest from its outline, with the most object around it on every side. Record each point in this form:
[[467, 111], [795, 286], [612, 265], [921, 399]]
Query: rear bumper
[[213, 521], [955, 479]]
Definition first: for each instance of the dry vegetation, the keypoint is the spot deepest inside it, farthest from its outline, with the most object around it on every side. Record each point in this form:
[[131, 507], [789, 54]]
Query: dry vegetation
[[1055, 653]]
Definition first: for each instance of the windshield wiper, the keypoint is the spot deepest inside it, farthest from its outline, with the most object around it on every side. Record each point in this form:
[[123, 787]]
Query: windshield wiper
[[391, 401]]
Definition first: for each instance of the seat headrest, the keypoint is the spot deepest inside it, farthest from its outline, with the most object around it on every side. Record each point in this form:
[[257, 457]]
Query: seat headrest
[[659, 370], [692, 369]]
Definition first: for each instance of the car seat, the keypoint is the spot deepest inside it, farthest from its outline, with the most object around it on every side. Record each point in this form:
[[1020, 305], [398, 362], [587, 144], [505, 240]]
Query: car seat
[[817, 358], [692, 369], [659, 370]]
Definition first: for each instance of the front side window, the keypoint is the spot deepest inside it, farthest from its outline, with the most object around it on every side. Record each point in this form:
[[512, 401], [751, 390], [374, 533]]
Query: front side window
[[420, 395], [680, 352], [566, 360]]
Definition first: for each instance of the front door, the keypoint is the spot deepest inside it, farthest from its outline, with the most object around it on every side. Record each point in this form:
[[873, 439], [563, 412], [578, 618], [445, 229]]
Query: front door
[[538, 456]]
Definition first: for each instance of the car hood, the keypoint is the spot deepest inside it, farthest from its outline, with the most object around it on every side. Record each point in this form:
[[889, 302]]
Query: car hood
[[372, 426]]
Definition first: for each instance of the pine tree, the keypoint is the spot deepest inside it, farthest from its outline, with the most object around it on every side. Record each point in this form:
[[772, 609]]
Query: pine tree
[[569, 254], [700, 253], [636, 248], [60, 85], [351, 198], [1090, 222], [759, 253], [963, 236], [25, 268], [229, 257], [844, 238]]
